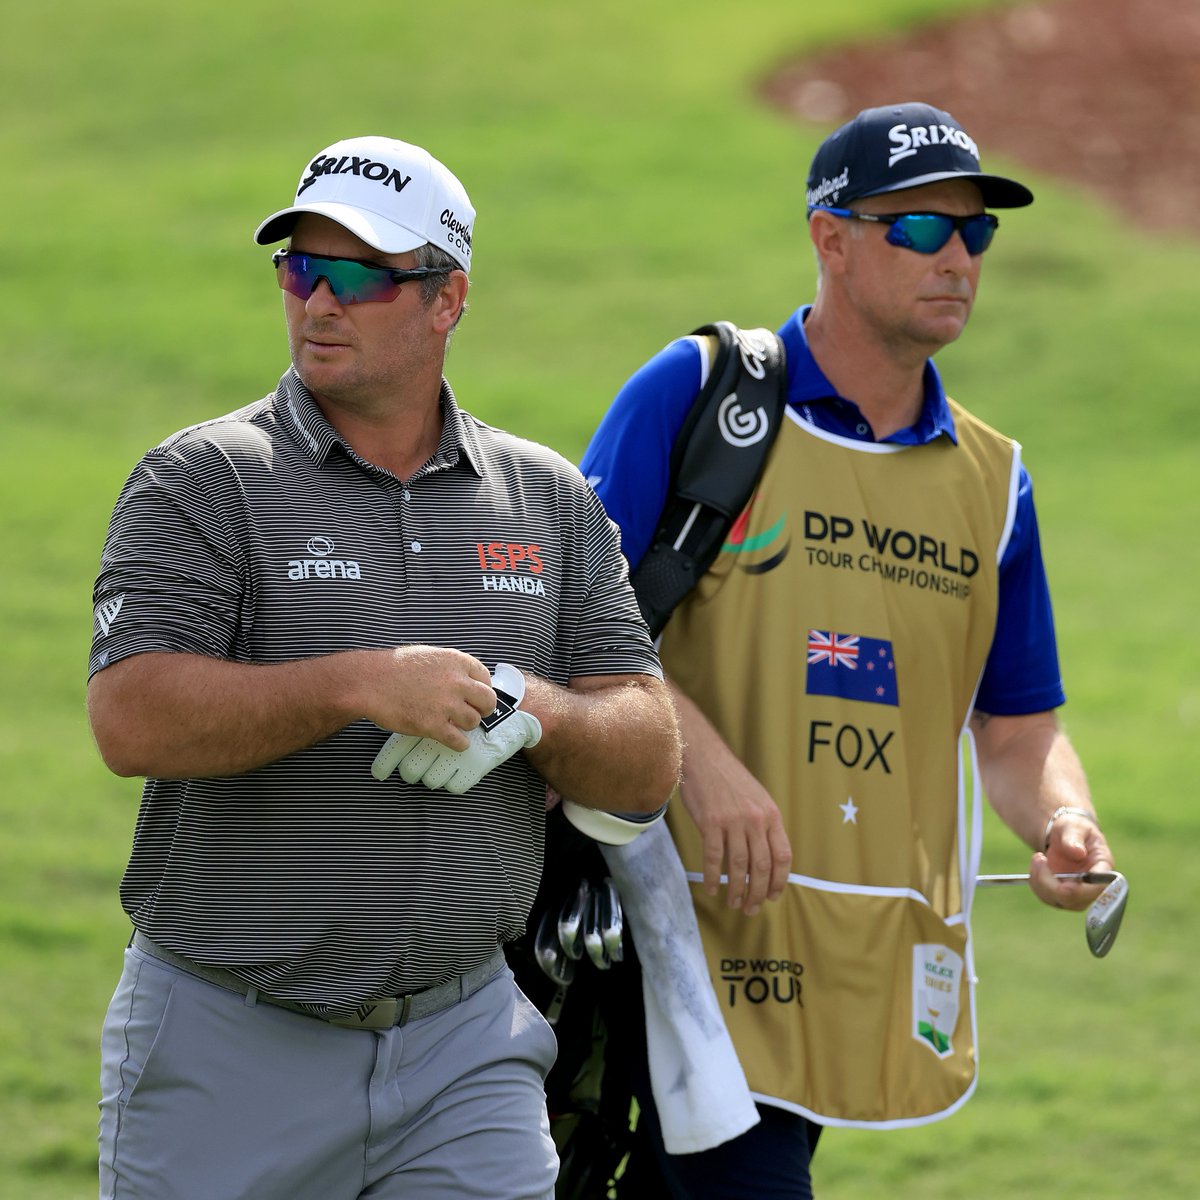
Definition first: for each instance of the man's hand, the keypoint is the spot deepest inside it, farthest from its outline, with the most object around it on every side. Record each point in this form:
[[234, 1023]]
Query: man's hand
[[431, 691], [494, 741], [1035, 781], [1074, 842], [741, 825]]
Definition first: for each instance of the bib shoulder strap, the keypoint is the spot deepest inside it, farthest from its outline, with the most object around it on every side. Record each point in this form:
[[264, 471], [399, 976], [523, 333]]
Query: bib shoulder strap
[[716, 462]]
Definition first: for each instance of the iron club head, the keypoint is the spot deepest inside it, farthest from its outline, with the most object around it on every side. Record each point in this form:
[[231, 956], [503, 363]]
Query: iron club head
[[593, 936], [613, 928], [570, 920], [548, 951], [1104, 916]]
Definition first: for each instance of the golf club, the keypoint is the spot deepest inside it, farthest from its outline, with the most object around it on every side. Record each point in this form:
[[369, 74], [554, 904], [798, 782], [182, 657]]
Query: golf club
[[570, 921], [612, 927], [555, 964], [593, 936], [1104, 914]]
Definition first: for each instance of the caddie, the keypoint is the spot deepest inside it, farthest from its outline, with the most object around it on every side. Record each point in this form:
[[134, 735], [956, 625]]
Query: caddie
[[315, 1004], [877, 623]]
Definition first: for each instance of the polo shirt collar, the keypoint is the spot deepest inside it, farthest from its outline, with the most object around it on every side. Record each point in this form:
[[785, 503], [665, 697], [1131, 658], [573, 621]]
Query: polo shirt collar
[[303, 418], [460, 439], [807, 384]]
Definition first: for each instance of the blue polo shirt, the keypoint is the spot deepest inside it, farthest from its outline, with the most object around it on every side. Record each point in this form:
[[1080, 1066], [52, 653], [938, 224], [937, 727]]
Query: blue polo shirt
[[628, 463]]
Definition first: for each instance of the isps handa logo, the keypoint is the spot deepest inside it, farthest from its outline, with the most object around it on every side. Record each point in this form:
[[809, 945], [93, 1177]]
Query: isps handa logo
[[321, 564], [511, 567], [760, 552]]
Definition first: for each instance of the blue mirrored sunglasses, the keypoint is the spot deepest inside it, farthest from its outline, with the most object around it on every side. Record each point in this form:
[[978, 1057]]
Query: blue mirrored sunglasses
[[351, 281], [926, 233]]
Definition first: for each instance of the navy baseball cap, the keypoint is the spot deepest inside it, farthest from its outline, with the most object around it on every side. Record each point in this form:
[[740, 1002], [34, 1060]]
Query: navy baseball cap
[[902, 146]]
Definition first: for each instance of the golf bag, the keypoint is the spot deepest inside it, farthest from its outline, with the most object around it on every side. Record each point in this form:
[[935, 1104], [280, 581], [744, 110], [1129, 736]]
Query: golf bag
[[716, 463]]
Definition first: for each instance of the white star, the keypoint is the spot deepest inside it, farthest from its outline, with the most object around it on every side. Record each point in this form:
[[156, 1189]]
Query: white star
[[849, 812]]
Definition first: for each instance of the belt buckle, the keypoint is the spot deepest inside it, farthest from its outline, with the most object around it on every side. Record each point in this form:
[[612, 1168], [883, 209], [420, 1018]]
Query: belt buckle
[[376, 1014]]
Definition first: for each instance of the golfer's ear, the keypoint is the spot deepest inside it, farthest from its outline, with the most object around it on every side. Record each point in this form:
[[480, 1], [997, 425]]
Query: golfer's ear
[[449, 302]]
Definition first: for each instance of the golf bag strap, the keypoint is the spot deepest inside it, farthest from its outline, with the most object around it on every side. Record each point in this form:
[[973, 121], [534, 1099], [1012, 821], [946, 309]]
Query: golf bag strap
[[718, 458]]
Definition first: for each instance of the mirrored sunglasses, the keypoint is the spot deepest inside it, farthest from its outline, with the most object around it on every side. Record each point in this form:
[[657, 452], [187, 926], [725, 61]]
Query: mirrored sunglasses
[[926, 233], [351, 281]]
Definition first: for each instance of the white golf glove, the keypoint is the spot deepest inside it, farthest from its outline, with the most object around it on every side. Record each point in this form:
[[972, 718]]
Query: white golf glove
[[496, 739]]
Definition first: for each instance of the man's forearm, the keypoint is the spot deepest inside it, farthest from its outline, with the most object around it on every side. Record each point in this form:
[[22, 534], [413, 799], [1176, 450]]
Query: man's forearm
[[178, 716], [1029, 769], [609, 742], [183, 716]]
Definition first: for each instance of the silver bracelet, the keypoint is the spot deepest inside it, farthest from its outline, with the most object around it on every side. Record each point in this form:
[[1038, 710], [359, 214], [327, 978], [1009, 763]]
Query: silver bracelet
[[1060, 811]]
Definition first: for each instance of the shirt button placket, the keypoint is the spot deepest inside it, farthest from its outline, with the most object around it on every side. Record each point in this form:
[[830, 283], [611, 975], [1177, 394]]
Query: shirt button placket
[[414, 546]]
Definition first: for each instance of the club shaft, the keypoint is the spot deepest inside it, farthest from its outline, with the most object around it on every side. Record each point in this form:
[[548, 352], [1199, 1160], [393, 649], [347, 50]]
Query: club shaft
[[1076, 876]]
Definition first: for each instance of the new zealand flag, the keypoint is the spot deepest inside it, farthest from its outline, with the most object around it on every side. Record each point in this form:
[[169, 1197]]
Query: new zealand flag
[[852, 667]]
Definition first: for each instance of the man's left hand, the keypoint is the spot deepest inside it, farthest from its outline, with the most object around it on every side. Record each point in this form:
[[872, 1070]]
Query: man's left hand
[[493, 742]]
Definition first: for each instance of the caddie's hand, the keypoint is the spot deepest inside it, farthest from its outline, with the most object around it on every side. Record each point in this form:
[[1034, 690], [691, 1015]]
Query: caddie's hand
[[743, 836], [495, 740], [738, 820], [1073, 842]]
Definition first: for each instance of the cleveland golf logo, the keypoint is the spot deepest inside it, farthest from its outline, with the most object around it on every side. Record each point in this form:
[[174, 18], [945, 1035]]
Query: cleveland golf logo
[[739, 426], [458, 232], [827, 189]]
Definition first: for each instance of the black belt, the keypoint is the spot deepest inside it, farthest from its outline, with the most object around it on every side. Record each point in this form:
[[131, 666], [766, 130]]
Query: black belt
[[372, 1014]]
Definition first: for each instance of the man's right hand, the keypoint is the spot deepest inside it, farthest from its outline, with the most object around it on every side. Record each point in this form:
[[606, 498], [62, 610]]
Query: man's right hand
[[739, 822]]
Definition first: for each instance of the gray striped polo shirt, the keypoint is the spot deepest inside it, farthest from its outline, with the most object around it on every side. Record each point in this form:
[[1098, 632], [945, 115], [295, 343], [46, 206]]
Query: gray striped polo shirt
[[262, 537]]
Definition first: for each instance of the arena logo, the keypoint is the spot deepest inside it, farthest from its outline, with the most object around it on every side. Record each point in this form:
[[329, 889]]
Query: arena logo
[[352, 164], [906, 142], [321, 566]]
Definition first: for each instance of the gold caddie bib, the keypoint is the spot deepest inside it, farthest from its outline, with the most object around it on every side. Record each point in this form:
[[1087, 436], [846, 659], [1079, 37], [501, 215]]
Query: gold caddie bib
[[836, 644]]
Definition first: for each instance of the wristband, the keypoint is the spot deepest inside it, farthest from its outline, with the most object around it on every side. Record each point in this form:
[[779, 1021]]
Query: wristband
[[1062, 811], [609, 828]]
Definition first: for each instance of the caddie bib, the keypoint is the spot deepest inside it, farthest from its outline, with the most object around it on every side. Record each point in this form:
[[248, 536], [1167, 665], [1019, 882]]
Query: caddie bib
[[837, 644]]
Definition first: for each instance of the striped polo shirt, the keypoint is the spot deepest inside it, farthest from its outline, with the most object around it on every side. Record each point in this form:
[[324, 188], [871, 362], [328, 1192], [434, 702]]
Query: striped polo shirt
[[261, 537]]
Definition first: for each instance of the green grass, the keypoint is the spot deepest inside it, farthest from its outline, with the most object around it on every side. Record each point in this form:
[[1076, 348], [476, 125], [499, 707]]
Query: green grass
[[630, 186]]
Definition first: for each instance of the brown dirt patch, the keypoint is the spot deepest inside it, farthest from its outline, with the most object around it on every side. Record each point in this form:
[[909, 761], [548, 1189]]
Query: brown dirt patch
[[1103, 93]]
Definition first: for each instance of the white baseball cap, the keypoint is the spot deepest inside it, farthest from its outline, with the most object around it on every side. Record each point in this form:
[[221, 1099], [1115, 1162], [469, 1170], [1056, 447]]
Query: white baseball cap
[[393, 195]]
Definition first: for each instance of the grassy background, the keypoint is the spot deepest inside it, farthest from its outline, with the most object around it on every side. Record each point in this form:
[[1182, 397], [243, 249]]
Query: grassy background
[[629, 187]]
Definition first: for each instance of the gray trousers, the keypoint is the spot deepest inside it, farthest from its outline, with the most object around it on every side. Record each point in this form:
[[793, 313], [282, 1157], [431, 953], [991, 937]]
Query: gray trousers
[[206, 1095]]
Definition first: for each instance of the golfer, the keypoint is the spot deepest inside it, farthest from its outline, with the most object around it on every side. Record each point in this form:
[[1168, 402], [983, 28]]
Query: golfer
[[878, 622], [314, 1004]]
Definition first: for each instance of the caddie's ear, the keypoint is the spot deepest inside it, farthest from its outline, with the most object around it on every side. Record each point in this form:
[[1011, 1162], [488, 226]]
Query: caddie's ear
[[449, 303], [829, 236]]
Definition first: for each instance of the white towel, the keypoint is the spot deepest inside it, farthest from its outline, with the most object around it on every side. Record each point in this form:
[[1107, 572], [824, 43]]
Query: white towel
[[698, 1083]]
